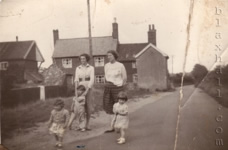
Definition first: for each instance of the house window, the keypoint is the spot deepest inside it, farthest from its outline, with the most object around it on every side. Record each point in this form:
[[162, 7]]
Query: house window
[[100, 79], [135, 78], [4, 65], [67, 62], [133, 64], [99, 61]]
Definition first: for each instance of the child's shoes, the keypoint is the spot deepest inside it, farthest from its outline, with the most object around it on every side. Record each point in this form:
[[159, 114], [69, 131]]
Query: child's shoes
[[121, 140], [56, 144], [60, 145], [83, 130]]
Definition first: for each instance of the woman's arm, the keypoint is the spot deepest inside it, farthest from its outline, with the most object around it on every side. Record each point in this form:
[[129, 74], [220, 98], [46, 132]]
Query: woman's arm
[[67, 115], [92, 74], [76, 81], [124, 74], [72, 107]]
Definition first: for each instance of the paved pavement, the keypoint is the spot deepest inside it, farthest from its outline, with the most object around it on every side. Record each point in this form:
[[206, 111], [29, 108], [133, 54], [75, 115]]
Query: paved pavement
[[153, 127]]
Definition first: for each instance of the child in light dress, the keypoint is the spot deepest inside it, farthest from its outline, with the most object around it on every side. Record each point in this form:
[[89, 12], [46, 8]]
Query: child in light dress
[[120, 121], [78, 109], [58, 121]]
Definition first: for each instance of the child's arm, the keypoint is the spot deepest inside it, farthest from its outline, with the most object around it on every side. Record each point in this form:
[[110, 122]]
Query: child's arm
[[124, 111], [50, 120], [114, 109]]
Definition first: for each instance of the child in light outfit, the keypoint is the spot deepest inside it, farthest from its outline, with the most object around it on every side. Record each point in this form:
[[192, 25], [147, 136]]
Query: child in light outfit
[[58, 121], [121, 119], [78, 109]]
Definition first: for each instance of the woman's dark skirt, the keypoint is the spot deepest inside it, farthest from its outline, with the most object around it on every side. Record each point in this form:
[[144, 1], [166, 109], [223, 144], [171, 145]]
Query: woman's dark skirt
[[110, 96]]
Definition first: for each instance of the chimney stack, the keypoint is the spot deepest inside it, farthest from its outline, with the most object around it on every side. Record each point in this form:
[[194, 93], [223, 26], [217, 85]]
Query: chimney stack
[[152, 35], [55, 35], [115, 33], [16, 38]]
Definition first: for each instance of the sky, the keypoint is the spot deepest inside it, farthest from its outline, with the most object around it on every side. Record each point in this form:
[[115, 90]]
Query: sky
[[36, 19]]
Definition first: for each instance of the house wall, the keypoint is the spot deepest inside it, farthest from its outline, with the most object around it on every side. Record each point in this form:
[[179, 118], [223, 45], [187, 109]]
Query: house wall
[[17, 68], [130, 70], [31, 65], [32, 53], [152, 70], [76, 62]]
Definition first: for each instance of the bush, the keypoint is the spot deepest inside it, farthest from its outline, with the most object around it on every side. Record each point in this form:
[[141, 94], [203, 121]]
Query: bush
[[210, 84], [176, 79], [198, 73]]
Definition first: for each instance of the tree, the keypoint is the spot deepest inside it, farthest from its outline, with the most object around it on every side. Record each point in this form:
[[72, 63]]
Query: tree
[[198, 73]]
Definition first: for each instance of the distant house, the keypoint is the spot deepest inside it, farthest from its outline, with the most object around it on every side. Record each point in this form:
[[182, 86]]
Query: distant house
[[19, 60], [146, 65]]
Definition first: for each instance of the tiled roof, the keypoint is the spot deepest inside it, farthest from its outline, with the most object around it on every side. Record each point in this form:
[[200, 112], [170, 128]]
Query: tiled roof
[[75, 47], [154, 47], [19, 50], [128, 51]]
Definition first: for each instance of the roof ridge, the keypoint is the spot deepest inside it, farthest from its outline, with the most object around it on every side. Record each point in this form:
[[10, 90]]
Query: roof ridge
[[18, 41], [131, 43], [83, 38]]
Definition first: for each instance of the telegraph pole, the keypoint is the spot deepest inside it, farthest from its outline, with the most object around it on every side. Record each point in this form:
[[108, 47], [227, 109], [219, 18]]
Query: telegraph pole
[[172, 64], [89, 26]]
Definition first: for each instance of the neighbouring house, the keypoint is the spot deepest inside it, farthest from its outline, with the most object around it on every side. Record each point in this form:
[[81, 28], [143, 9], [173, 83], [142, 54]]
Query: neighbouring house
[[20, 60], [145, 64]]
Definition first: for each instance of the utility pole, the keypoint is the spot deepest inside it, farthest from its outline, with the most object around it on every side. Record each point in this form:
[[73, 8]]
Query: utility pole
[[172, 64], [89, 26]]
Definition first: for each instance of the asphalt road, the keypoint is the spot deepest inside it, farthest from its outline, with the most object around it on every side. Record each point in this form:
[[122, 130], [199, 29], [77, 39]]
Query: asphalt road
[[153, 127]]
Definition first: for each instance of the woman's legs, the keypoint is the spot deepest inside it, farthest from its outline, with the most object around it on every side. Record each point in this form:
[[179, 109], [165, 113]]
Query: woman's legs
[[56, 138], [89, 107]]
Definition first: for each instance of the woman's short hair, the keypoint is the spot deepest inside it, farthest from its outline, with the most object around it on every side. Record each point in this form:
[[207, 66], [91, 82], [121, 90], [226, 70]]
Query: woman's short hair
[[81, 88], [86, 56], [114, 53], [122, 95], [59, 102]]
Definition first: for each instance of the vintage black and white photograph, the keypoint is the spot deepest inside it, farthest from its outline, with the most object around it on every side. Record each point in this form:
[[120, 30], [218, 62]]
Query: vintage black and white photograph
[[113, 75]]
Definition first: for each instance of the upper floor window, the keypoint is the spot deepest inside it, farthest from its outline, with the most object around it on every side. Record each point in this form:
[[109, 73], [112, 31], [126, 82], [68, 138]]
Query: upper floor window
[[67, 62], [135, 78], [4, 65], [133, 64], [99, 61]]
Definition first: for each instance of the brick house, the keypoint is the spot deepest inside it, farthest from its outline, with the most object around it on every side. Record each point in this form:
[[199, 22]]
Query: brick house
[[67, 52], [20, 60], [138, 58]]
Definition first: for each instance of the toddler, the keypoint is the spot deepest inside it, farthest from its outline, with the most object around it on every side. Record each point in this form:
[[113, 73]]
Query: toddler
[[58, 121], [121, 119], [78, 109]]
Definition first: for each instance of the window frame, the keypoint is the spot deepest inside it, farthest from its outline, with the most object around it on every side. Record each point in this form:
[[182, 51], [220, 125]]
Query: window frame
[[100, 82], [133, 64], [97, 63], [70, 65], [4, 65]]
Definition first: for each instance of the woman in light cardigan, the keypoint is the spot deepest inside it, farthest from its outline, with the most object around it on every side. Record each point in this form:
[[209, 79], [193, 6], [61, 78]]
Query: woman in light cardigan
[[116, 78]]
